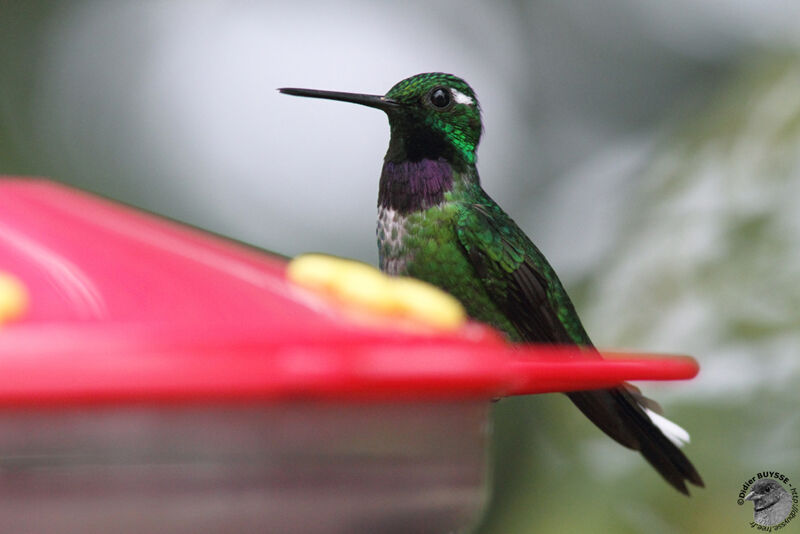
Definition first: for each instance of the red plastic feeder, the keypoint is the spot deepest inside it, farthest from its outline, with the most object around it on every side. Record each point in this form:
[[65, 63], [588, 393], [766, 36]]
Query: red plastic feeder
[[165, 380]]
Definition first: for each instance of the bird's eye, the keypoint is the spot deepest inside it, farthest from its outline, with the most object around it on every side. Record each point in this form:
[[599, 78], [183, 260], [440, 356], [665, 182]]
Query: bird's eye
[[440, 98], [767, 489]]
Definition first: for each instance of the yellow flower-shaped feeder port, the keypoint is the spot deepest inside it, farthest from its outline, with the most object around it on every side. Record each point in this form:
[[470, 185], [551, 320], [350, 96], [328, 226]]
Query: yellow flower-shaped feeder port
[[359, 285], [13, 297]]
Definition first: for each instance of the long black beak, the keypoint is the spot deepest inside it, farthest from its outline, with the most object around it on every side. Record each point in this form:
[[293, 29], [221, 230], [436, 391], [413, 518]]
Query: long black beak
[[373, 101]]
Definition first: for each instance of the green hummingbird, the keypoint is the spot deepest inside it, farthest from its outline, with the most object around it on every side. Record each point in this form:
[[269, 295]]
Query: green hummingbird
[[437, 224]]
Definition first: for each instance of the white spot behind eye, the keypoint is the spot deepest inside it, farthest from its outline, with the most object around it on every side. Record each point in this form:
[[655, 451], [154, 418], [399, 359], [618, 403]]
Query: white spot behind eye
[[461, 98]]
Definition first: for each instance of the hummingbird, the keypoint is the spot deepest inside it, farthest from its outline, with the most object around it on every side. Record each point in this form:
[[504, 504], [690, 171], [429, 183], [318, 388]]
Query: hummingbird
[[437, 224]]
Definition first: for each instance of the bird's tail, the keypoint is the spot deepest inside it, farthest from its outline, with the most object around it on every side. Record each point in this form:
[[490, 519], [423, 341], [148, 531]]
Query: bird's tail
[[631, 419]]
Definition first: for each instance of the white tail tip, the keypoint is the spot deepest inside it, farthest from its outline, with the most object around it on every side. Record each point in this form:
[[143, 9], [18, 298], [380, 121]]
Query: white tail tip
[[675, 433]]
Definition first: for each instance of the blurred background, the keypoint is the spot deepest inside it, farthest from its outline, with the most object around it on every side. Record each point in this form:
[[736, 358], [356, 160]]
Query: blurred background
[[651, 149]]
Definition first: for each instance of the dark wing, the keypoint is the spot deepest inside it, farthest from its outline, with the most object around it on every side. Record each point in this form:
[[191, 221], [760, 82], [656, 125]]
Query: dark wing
[[525, 287], [498, 253]]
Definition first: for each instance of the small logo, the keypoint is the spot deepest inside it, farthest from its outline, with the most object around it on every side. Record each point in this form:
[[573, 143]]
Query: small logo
[[774, 498]]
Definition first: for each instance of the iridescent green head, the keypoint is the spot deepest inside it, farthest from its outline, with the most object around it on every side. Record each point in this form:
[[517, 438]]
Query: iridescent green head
[[432, 115], [439, 116]]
